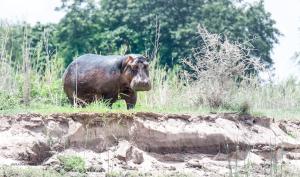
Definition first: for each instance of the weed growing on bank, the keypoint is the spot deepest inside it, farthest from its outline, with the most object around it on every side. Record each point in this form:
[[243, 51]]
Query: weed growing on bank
[[72, 163]]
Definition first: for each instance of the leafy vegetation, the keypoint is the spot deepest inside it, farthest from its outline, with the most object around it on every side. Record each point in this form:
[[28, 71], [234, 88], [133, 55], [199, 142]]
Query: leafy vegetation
[[8, 171], [106, 26], [8, 101], [72, 163]]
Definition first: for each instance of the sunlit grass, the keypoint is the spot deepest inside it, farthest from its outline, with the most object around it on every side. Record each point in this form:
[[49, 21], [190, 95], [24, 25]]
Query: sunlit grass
[[120, 107], [100, 107], [283, 114]]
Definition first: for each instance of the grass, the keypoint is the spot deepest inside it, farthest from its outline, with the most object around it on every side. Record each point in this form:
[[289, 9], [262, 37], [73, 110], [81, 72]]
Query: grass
[[72, 163], [275, 169], [10, 171], [139, 174], [248, 169], [120, 107], [279, 114]]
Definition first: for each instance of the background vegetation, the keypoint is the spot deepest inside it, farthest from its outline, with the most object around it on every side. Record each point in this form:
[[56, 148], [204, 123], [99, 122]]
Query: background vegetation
[[33, 58]]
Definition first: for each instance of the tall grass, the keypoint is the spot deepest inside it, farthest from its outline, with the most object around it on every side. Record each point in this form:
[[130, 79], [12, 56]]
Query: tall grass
[[42, 75], [167, 89], [171, 90]]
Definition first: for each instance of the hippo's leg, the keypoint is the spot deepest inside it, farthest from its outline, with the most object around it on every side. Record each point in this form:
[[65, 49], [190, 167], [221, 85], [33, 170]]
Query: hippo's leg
[[130, 98], [109, 99]]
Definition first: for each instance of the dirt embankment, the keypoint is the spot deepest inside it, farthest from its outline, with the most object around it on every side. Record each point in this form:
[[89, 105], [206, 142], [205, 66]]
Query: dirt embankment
[[214, 145]]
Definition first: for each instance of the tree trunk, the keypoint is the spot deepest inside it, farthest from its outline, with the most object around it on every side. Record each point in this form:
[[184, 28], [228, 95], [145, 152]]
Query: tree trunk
[[26, 69]]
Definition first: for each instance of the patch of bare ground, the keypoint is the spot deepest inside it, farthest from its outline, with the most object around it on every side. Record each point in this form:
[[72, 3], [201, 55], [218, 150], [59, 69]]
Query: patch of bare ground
[[151, 143]]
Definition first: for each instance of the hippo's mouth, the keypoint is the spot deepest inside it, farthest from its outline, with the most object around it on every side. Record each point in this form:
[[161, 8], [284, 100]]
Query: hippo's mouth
[[141, 87]]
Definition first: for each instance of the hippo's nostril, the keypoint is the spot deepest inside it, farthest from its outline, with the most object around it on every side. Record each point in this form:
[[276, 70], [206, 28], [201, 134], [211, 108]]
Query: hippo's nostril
[[146, 82]]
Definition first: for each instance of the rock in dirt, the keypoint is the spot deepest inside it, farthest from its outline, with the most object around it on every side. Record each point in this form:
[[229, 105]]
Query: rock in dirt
[[293, 156], [124, 151], [137, 156], [194, 163], [96, 168]]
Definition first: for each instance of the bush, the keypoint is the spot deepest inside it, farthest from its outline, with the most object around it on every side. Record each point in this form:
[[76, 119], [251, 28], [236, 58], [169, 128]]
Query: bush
[[72, 163], [217, 68], [8, 101]]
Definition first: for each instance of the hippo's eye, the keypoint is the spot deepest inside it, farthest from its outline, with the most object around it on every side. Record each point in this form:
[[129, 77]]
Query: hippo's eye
[[134, 67]]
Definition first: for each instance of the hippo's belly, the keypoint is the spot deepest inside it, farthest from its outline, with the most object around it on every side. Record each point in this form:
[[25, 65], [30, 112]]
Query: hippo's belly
[[101, 83]]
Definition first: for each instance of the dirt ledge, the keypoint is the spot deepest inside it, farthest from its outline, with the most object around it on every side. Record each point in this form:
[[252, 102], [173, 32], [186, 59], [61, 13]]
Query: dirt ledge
[[147, 141]]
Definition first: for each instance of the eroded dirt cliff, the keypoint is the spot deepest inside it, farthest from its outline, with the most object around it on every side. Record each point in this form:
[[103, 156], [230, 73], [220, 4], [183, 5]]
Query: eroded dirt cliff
[[213, 145]]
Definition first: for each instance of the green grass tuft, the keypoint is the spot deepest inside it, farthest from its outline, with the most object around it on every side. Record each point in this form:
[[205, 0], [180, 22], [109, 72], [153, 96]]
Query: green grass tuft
[[72, 163]]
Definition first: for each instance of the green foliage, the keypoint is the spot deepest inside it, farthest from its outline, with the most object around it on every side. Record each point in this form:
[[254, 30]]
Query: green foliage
[[43, 45], [41, 42], [105, 26], [72, 163], [9, 171], [78, 32], [8, 101], [113, 174], [11, 39], [243, 108]]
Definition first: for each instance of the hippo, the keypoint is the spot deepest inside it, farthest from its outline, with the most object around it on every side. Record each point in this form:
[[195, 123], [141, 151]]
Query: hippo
[[93, 77]]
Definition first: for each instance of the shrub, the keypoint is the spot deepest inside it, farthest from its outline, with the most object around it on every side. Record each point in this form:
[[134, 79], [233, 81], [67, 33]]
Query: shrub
[[8, 101], [72, 163], [217, 67]]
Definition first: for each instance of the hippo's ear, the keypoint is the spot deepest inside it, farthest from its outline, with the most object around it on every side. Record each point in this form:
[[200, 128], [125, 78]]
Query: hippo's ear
[[127, 61]]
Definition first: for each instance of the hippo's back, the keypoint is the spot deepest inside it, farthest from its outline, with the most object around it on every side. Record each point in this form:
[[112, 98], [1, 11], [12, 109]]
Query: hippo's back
[[91, 63], [88, 61], [91, 73]]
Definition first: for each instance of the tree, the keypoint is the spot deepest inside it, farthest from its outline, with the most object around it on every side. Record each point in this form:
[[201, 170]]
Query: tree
[[40, 42], [78, 30], [106, 27]]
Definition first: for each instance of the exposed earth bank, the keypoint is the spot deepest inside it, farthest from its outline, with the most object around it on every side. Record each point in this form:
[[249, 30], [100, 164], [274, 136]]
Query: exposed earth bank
[[153, 144]]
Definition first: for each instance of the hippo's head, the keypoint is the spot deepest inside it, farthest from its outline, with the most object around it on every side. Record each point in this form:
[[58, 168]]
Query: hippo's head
[[136, 72]]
